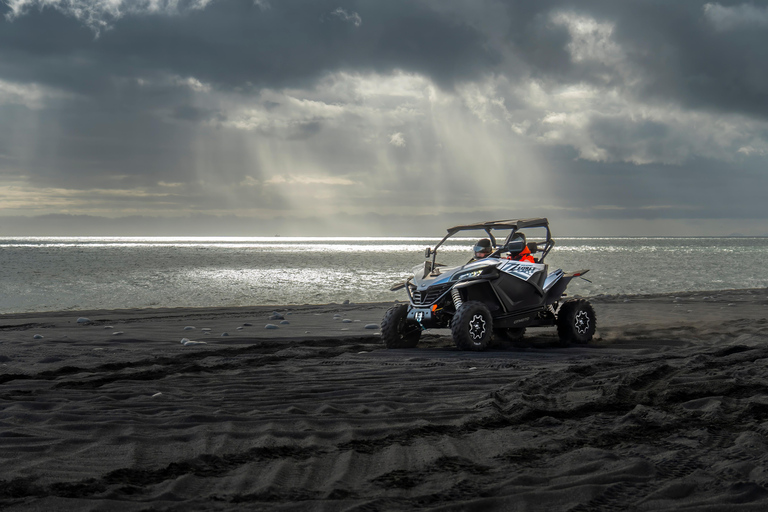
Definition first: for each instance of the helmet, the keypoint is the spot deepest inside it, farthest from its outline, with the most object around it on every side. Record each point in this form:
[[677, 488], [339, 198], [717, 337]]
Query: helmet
[[482, 248], [518, 237]]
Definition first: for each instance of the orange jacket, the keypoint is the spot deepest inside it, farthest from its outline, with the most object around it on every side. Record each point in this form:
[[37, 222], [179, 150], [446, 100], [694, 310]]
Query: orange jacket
[[525, 255]]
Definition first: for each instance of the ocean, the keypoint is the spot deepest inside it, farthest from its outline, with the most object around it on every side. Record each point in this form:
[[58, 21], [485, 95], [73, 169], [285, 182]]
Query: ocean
[[80, 273]]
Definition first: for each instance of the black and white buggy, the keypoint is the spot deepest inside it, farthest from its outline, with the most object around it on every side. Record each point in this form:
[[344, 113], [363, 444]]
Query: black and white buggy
[[496, 296]]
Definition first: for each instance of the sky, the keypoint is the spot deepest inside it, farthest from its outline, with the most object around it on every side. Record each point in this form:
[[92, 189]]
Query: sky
[[396, 118]]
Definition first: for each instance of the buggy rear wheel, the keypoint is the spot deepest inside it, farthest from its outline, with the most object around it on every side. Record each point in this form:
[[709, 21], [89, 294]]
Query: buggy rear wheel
[[576, 321], [397, 331], [472, 326]]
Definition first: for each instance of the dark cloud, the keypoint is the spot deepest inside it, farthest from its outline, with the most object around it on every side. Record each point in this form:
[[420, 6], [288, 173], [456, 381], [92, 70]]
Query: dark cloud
[[676, 49], [685, 58], [237, 44], [626, 139]]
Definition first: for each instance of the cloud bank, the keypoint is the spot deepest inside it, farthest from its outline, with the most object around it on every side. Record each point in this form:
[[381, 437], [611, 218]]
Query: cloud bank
[[596, 113]]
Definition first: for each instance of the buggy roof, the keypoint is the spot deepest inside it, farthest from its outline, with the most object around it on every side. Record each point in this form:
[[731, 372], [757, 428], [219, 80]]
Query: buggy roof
[[503, 224], [488, 227]]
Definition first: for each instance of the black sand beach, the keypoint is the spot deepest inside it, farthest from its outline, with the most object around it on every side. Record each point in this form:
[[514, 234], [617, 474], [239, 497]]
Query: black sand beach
[[666, 410]]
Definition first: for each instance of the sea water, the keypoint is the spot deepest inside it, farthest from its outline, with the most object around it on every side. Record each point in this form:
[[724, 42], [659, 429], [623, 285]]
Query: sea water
[[59, 273]]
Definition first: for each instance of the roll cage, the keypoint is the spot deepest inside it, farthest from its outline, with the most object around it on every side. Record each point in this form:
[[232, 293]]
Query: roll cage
[[488, 227]]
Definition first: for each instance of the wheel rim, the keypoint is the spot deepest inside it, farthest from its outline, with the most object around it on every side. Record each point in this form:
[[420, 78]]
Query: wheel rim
[[581, 322], [477, 327]]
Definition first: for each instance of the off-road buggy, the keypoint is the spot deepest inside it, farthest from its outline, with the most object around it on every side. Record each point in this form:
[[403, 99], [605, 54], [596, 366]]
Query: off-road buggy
[[493, 297]]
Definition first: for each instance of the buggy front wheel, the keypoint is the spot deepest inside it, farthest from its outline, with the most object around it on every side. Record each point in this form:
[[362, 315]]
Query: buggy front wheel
[[472, 326], [397, 331]]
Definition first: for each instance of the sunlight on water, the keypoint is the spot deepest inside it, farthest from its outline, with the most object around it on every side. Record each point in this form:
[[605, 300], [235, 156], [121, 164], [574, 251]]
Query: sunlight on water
[[65, 273]]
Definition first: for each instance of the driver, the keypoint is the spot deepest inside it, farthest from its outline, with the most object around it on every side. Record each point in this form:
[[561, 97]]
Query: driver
[[482, 249]]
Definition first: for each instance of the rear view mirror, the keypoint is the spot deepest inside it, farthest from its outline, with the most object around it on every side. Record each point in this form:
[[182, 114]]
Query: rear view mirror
[[427, 252]]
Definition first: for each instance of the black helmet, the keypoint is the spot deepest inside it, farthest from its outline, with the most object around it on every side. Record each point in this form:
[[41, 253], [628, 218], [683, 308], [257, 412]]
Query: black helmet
[[517, 237], [482, 248]]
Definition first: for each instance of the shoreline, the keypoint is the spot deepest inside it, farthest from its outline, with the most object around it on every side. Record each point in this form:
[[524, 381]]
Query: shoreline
[[261, 307]]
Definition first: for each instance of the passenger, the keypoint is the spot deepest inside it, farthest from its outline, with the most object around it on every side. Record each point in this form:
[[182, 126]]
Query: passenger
[[482, 249], [524, 255]]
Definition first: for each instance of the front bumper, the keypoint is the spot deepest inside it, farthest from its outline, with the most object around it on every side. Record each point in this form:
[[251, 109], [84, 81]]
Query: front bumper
[[425, 317]]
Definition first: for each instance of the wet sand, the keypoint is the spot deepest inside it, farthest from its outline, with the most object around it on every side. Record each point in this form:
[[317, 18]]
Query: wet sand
[[666, 410]]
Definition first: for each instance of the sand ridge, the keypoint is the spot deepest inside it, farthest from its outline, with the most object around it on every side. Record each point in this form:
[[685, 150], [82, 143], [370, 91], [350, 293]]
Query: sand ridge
[[667, 410]]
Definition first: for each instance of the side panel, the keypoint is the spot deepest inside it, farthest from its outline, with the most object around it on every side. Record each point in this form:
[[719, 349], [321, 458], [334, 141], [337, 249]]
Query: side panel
[[484, 292], [519, 284]]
